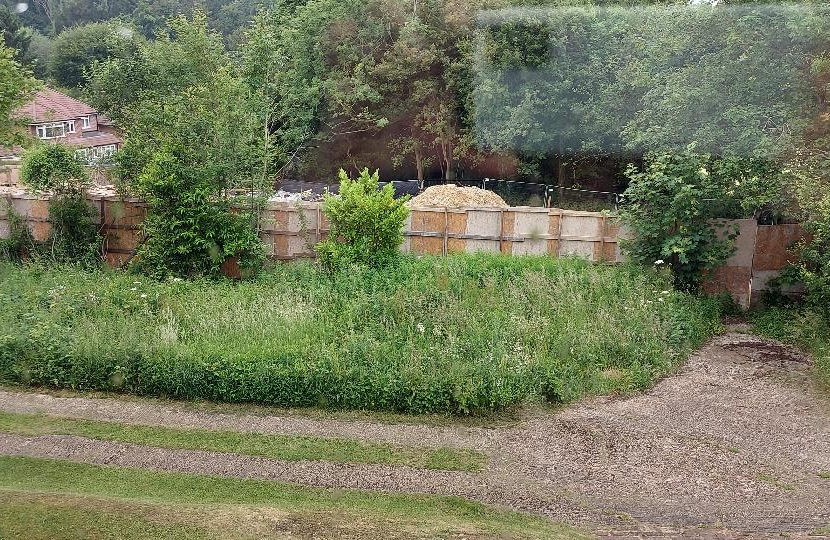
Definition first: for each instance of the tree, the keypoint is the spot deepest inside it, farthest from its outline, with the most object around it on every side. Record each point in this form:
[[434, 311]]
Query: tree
[[191, 129], [16, 86], [78, 49], [15, 36], [673, 206]]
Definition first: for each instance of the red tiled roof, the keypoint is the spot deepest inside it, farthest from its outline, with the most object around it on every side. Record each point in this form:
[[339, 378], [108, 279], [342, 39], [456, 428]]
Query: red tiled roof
[[101, 139], [49, 105]]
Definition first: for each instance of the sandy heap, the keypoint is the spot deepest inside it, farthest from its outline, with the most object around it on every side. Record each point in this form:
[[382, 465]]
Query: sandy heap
[[453, 196]]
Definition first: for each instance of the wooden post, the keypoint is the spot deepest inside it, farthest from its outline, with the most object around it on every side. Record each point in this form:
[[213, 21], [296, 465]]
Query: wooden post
[[501, 231], [602, 232], [446, 229]]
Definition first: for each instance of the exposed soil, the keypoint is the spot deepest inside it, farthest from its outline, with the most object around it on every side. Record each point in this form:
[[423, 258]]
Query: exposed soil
[[731, 446]]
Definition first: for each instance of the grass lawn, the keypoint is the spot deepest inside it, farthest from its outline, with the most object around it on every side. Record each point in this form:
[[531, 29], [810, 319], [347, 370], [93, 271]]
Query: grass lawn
[[47, 499], [465, 334], [286, 447]]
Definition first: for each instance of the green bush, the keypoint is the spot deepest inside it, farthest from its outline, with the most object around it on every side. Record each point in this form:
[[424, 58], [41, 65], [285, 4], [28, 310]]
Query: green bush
[[462, 334], [19, 244], [673, 204], [190, 230], [366, 223], [74, 238]]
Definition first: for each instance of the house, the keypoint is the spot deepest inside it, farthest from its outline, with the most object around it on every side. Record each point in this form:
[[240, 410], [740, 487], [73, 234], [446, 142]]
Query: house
[[56, 117]]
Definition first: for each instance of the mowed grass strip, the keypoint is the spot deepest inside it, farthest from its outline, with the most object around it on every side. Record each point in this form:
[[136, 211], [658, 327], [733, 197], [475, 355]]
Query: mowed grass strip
[[284, 447], [42, 498]]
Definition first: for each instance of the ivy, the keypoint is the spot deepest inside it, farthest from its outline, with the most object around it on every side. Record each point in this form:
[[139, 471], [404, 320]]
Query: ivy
[[74, 237]]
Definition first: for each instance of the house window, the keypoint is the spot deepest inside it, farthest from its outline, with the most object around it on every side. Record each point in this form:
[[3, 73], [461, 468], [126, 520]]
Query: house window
[[99, 153], [52, 131], [85, 122], [70, 126]]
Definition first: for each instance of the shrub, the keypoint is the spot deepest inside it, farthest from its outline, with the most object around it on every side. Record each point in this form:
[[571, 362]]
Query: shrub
[[74, 237], [462, 334], [810, 183], [672, 207], [19, 244], [366, 223], [189, 230]]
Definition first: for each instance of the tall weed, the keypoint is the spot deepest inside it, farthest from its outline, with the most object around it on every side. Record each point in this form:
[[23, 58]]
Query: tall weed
[[462, 334]]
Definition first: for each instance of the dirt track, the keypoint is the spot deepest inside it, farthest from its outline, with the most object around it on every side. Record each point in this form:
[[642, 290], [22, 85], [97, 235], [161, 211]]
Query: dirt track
[[731, 446]]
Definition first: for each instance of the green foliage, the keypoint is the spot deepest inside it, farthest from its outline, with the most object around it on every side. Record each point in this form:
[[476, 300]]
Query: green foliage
[[54, 168], [811, 186], [459, 334], [189, 230], [673, 205], [16, 85], [19, 243], [15, 36], [74, 236], [192, 128], [366, 223], [78, 49], [604, 79]]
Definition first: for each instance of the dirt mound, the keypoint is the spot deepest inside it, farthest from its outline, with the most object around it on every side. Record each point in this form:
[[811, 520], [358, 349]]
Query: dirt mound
[[454, 197]]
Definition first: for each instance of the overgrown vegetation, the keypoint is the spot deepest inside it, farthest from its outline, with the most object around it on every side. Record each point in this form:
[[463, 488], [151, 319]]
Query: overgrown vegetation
[[673, 205], [189, 230], [461, 335], [366, 223], [57, 171], [801, 327]]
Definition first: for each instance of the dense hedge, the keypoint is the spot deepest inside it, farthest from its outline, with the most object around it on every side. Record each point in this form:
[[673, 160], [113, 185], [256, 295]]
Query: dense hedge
[[463, 334]]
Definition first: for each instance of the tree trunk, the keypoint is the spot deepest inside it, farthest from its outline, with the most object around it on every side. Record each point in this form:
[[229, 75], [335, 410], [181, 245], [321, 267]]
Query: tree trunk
[[419, 165]]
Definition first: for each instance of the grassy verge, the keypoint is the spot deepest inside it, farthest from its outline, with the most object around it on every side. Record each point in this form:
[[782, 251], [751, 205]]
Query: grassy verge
[[459, 335], [56, 499], [801, 328], [286, 447]]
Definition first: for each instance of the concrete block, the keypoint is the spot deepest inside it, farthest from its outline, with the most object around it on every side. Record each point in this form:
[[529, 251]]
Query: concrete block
[[735, 280], [576, 248], [483, 223], [745, 243], [772, 246], [530, 247], [483, 246], [122, 238], [581, 226], [532, 225]]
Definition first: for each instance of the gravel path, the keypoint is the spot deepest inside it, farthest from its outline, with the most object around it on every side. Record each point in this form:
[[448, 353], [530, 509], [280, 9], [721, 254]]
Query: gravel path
[[729, 447]]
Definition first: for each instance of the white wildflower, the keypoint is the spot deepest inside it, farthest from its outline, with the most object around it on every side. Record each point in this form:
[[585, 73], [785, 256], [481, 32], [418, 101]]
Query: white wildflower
[[133, 288], [420, 328], [658, 262], [143, 296]]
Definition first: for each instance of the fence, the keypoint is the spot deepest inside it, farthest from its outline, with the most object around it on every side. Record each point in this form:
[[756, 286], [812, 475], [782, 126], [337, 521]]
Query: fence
[[291, 230]]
